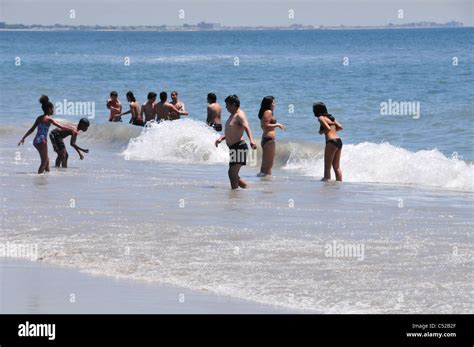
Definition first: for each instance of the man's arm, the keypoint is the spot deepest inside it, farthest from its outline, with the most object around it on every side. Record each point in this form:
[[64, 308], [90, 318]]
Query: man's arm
[[142, 112], [245, 124], [173, 109], [110, 107], [209, 114], [219, 140], [75, 146]]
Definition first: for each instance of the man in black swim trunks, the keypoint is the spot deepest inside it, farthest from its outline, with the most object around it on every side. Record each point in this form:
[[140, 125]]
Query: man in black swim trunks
[[233, 134], [58, 135], [213, 112]]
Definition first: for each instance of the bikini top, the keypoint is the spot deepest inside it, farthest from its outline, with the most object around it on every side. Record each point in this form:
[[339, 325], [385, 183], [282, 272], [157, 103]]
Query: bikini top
[[328, 116], [273, 121]]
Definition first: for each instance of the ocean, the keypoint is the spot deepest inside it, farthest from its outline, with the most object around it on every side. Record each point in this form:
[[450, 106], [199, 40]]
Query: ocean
[[154, 203]]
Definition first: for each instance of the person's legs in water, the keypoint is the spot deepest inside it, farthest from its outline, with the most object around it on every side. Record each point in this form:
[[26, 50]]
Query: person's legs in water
[[46, 168], [42, 149], [242, 183], [336, 165], [235, 180], [268, 156], [64, 157], [60, 158], [238, 157], [329, 153], [57, 163]]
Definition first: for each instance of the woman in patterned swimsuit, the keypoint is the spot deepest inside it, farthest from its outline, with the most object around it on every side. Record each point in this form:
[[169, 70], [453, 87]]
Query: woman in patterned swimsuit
[[40, 141]]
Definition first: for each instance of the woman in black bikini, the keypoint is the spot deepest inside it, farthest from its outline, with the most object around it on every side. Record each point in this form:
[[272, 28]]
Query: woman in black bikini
[[329, 126], [268, 124]]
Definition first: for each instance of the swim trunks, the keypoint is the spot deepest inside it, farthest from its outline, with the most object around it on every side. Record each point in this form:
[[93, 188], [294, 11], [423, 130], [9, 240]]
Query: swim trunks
[[138, 122], [238, 153], [57, 140]]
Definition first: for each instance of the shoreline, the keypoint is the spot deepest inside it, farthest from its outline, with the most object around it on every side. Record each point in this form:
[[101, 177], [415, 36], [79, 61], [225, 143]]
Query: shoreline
[[36, 287], [228, 30]]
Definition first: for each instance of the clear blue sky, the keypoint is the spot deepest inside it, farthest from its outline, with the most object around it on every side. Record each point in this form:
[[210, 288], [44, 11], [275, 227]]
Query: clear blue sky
[[235, 12]]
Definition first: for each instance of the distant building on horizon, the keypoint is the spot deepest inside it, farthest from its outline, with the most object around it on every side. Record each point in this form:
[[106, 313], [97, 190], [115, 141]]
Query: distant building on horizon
[[208, 26]]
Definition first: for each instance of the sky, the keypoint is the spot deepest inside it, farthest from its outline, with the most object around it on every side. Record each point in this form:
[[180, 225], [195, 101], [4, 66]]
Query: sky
[[235, 12]]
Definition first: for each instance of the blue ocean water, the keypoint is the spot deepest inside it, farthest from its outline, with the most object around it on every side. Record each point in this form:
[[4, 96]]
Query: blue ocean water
[[297, 67]]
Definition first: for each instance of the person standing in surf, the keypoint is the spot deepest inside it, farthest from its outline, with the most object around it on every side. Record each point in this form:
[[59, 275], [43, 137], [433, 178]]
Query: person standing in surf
[[148, 111], [136, 117], [57, 137], [213, 112], [115, 107], [40, 141], [178, 104], [233, 135], [269, 125], [166, 111], [329, 126]]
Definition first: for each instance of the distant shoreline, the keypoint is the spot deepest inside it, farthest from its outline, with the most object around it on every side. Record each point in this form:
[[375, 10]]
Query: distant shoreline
[[216, 27], [225, 30]]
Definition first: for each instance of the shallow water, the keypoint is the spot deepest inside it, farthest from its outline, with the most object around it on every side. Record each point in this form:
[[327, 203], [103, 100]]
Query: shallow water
[[180, 224]]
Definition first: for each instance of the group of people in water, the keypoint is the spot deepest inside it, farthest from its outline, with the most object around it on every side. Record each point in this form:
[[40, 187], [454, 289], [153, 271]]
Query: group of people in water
[[163, 110], [150, 110]]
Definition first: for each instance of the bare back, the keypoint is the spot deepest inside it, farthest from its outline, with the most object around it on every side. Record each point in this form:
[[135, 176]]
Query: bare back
[[214, 111], [148, 110], [162, 111]]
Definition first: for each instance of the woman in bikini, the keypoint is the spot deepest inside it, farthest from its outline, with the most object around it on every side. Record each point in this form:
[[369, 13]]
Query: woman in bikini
[[269, 125], [40, 141], [329, 126]]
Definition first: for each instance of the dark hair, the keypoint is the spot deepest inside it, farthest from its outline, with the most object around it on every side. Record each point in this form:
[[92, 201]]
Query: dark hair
[[131, 96], [113, 93], [175, 92], [84, 121], [151, 95], [266, 104], [320, 109], [46, 105], [163, 96], [212, 97], [233, 100]]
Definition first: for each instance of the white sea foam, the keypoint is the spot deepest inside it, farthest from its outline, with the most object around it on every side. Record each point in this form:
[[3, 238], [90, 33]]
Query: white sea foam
[[190, 141], [385, 163], [185, 140]]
